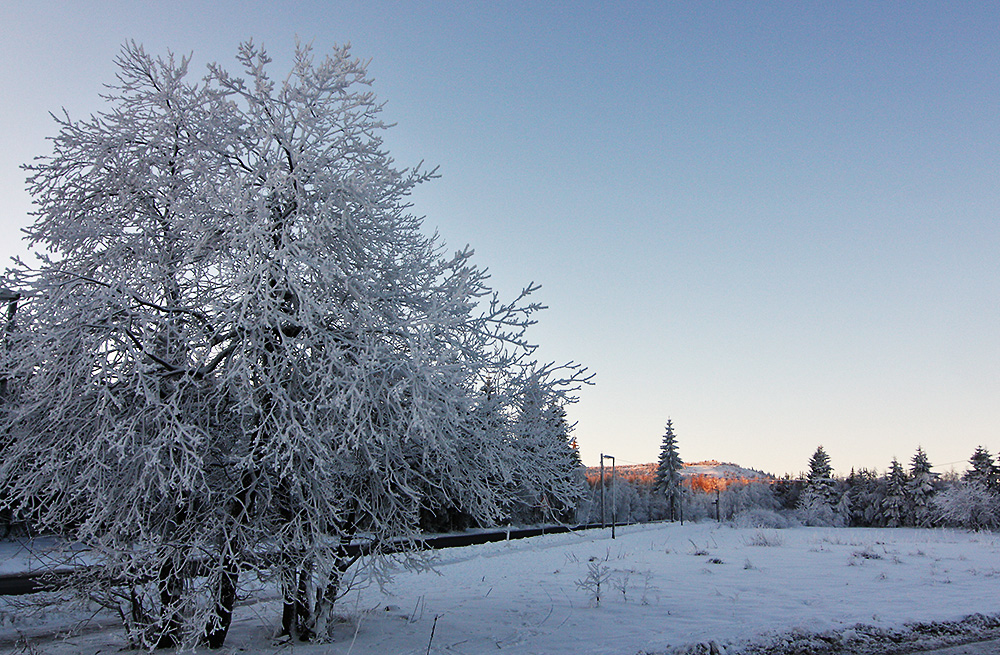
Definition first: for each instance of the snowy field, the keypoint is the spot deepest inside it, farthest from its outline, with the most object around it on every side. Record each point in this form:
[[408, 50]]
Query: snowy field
[[668, 587]]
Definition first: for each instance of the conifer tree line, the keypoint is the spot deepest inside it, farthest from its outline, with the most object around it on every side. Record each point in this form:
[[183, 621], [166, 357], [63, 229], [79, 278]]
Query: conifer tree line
[[239, 357], [904, 495]]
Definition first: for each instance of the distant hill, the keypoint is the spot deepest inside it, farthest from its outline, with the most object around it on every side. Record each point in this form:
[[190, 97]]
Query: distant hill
[[702, 476], [723, 470]]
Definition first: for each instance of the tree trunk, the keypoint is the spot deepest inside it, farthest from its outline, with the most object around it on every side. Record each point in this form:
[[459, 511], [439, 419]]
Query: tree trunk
[[303, 622], [170, 583], [229, 566], [295, 613], [325, 599], [323, 614], [288, 607], [170, 586], [218, 625]]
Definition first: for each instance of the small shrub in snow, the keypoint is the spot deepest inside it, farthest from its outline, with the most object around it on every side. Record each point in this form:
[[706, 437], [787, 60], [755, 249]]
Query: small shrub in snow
[[598, 575], [647, 587], [595, 558], [764, 539], [867, 553], [837, 540], [697, 550], [620, 583]]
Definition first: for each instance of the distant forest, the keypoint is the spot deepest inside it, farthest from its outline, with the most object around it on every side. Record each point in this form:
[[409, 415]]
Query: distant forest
[[901, 496]]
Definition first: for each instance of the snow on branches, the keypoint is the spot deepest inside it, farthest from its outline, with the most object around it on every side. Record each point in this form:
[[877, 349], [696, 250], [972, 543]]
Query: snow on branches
[[241, 352]]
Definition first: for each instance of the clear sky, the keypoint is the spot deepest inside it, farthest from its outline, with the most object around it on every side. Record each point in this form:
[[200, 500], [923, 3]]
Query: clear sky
[[774, 223]]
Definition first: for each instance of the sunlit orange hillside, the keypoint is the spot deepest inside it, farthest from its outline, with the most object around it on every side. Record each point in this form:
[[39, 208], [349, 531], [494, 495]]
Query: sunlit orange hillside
[[709, 475]]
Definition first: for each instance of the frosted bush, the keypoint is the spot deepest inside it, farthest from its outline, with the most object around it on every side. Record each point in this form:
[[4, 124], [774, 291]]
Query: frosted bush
[[598, 575], [739, 498], [970, 505], [764, 539], [761, 518], [621, 583], [814, 511]]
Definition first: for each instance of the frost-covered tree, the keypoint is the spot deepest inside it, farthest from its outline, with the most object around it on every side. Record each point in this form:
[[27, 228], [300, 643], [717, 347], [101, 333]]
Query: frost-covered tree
[[748, 497], [568, 486], [550, 485], [120, 432], [668, 471], [817, 502], [241, 352], [490, 416], [982, 470], [968, 505], [787, 492], [820, 470], [815, 510], [894, 503], [920, 489], [866, 491]]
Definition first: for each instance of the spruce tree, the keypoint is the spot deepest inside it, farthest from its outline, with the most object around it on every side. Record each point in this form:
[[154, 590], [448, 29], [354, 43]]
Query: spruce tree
[[542, 433], [820, 477], [668, 477], [819, 466], [983, 471], [865, 498], [566, 460], [894, 503], [920, 489], [817, 502]]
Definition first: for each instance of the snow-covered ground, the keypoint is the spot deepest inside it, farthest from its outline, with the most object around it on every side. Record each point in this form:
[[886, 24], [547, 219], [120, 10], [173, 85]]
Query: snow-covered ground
[[670, 587]]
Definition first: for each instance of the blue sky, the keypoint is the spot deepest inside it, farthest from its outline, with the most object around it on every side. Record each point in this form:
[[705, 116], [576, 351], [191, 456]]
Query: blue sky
[[774, 223]]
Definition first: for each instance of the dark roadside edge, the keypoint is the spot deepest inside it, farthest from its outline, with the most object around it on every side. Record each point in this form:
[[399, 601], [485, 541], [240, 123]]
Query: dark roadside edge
[[19, 584]]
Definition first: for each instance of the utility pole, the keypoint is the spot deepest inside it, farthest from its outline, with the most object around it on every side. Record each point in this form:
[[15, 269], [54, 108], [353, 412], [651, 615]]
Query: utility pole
[[602, 492], [614, 504]]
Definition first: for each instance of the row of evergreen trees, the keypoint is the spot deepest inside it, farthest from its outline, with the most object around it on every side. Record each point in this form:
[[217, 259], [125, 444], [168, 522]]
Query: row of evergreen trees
[[898, 498], [902, 496]]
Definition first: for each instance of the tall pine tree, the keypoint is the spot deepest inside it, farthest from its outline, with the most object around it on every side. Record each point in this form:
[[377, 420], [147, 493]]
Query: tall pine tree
[[817, 502], [820, 477], [894, 503], [983, 471], [865, 491], [920, 489], [668, 476]]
